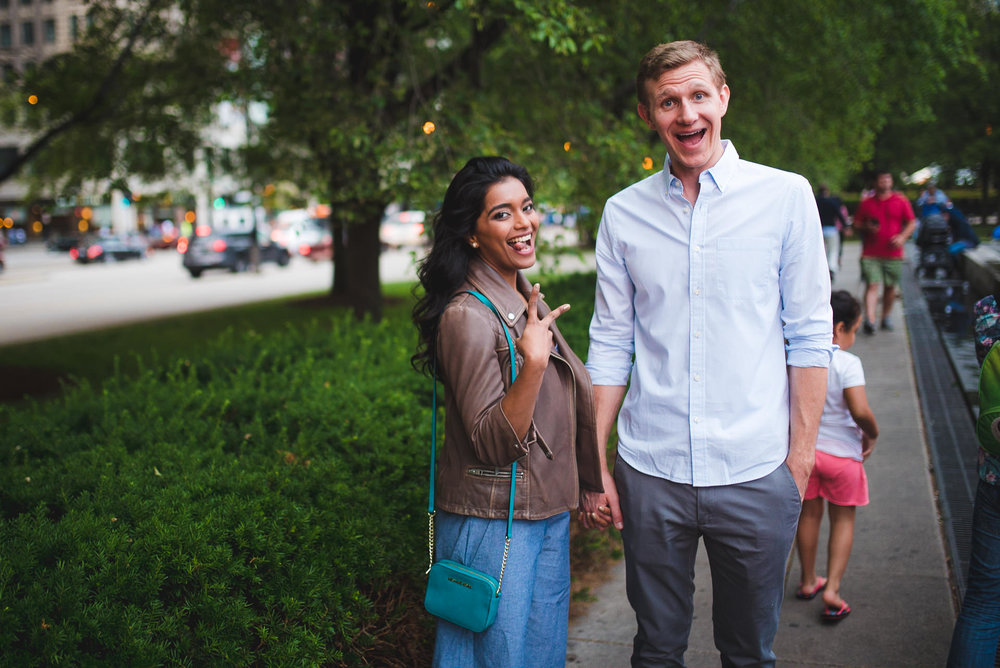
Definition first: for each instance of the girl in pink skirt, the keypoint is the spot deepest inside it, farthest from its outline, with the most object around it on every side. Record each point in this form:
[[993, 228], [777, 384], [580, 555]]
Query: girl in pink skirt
[[847, 435]]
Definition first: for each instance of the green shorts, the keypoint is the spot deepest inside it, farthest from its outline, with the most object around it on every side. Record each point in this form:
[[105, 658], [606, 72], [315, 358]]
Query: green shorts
[[879, 271]]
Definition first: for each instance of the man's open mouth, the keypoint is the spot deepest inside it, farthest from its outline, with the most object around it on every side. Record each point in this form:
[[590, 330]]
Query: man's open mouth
[[690, 138], [520, 244]]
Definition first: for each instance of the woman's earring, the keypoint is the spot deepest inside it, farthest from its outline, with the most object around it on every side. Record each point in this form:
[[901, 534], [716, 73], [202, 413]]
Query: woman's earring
[[475, 244]]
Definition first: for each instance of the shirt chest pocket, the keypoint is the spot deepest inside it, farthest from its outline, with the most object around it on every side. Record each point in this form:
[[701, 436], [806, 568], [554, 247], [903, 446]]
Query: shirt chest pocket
[[744, 268]]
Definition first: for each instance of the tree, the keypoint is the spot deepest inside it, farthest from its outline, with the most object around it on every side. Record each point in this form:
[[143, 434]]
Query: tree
[[813, 83], [352, 88], [129, 100], [964, 114]]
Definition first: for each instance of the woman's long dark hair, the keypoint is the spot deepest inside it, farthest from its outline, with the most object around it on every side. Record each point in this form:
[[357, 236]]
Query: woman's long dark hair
[[443, 270]]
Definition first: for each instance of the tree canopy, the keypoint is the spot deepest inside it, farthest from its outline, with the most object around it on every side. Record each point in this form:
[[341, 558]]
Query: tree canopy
[[375, 101]]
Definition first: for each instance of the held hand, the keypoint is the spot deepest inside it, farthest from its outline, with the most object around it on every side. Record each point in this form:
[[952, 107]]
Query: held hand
[[535, 343], [598, 510]]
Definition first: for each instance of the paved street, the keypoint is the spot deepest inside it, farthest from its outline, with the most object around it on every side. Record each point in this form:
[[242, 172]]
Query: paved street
[[45, 294]]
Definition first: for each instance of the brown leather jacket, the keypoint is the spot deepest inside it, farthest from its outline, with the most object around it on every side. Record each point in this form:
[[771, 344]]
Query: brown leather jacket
[[559, 454]]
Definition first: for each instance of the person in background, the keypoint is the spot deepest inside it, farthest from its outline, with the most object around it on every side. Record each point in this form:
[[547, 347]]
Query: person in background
[[484, 237], [704, 271], [977, 630], [834, 222], [847, 435], [886, 219], [932, 201]]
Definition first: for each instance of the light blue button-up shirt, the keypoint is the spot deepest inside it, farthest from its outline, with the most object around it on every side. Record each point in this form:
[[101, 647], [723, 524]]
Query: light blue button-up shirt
[[705, 297]]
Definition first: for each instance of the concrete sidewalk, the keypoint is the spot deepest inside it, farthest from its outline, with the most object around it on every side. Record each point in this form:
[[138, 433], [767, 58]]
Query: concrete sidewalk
[[897, 582]]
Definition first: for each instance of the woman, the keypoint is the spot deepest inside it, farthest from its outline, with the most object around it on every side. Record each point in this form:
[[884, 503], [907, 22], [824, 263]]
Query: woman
[[484, 237]]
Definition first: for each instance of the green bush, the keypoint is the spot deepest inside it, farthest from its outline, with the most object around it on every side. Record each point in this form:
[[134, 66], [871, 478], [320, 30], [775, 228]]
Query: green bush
[[259, 503]]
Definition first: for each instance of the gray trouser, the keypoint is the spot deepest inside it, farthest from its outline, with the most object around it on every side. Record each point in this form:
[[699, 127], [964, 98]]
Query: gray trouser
[[748, 530]]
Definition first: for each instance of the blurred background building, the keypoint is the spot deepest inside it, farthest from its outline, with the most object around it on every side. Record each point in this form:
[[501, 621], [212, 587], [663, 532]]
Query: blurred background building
[[32, 31]]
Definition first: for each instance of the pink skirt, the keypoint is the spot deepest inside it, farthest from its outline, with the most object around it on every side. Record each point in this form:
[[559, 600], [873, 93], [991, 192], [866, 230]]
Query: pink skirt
[[839, 480]]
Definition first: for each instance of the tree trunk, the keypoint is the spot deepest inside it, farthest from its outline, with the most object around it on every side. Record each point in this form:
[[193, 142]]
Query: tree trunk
[[363, 265], [338, 230], [356, 250]]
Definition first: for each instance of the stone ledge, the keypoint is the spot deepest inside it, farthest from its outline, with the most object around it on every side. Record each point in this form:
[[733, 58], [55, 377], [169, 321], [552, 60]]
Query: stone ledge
[[981, 267]]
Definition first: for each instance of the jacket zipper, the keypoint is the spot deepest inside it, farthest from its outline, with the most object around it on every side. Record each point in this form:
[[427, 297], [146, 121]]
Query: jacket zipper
[[496, 473]]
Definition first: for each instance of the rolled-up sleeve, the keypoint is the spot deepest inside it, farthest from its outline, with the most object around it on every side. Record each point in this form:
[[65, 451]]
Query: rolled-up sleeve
[[612, 328], [471, 369], [805, 282]]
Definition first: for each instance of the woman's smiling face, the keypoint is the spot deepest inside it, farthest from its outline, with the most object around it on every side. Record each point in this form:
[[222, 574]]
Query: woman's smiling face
[[507, 229]]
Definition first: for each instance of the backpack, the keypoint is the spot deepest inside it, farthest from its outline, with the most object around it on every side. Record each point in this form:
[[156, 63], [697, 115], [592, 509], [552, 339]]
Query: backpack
[[988, 422]]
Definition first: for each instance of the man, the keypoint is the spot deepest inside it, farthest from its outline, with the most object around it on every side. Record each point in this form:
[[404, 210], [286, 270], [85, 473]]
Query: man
[[704, 270], [834, 222], [933, 201], [887, 221]]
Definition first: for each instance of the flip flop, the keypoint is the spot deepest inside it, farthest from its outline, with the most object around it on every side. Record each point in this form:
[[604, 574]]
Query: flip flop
[[804, 595], [831, 615]]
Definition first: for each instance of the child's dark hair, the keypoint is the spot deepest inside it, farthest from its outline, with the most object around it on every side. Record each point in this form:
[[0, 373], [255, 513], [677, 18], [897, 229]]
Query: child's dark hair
[[846, 308]]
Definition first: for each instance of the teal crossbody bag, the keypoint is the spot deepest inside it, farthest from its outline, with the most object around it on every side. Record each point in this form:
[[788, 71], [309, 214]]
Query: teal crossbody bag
[[455, 592]]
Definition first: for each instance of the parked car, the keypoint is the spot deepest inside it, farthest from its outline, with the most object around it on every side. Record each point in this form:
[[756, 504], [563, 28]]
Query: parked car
[[315, 240], [109, 249], [298, 226], [228, 250], [62, 243], [16, 236], [317, 249], [163, 235], [403, 228]]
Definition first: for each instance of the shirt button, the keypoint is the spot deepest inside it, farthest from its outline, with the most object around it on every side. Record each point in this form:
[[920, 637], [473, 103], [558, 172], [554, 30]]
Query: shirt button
[[697, 334], [697, 378], [697, 291], [697, 420], [510, 315]]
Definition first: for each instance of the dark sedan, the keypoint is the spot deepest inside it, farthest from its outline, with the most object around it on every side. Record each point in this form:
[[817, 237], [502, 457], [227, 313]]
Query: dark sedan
[[227, 250], [109, 249]]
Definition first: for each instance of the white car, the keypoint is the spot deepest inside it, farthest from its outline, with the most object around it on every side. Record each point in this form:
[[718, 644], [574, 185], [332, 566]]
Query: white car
[[403, 228]]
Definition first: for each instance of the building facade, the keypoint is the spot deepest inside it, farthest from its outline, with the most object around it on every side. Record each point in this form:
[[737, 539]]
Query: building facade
[[30, 32]]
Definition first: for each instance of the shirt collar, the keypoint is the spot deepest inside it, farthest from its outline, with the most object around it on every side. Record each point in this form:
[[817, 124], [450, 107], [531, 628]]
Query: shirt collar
[[721, 173], [484, 279]]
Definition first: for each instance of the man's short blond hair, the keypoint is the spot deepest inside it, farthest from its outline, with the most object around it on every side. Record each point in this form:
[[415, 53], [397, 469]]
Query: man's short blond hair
[[671, 55]]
